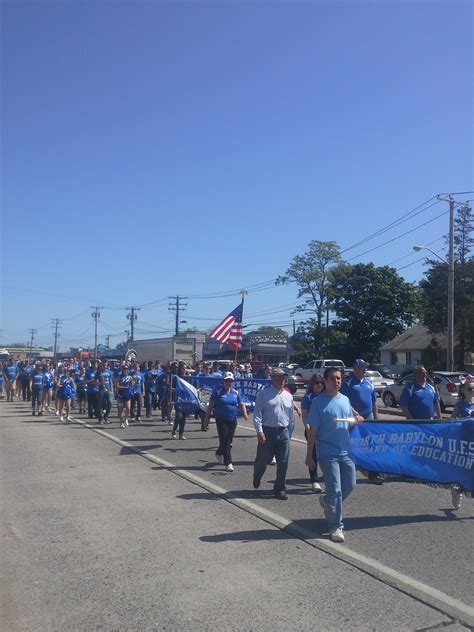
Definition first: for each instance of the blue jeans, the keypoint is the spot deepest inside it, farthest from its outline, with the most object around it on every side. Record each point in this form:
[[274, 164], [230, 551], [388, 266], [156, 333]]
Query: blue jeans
[[37, 398], [339, 479], [148, 402], [277, 442]]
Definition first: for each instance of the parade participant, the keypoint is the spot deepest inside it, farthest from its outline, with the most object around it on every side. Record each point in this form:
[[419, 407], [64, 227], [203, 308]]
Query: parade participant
[[37, 384], [464, 409], [1, 381], [149, 379], [331, 433], [226, 403], [92, 391], [363, 399], [138, 392], [315, 387], [215, 371], [10, 373], [274, 422], [419, 399], [24, 379], [65, 393], [164, 391], [48, 385], [179, 416], [81, 389], [124, 391], [103, 379]]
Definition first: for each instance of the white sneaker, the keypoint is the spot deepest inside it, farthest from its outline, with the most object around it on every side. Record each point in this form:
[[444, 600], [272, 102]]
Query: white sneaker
[[122, 425], [273, 461], [456, 497], [230, 468], [68, 418], [316, 487], [220, 458], [126, 422], [57, 413], [61, 418], [337, 535]]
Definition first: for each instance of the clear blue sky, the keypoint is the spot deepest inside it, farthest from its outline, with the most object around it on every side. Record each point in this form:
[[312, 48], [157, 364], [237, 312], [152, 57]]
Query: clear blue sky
[[158, 148]]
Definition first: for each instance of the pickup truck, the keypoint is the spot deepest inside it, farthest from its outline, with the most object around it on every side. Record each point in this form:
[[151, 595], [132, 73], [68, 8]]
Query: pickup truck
[[316, 367]]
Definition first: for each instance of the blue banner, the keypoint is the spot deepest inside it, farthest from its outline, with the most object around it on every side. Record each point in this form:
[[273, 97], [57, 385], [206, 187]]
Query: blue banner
[[186, 397], [437, 452], [248, 388]]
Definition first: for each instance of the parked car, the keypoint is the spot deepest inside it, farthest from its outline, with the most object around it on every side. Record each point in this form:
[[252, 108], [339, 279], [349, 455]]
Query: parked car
[[379, 382], [384, 370], [316, 367], [292, 381], [446, 382]]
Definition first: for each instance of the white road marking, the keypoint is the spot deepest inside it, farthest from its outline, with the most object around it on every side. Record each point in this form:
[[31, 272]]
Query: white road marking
[[343, 553]]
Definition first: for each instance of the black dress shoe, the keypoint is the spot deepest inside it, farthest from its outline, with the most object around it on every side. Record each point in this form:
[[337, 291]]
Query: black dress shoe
[[281, 495], [256, 483]]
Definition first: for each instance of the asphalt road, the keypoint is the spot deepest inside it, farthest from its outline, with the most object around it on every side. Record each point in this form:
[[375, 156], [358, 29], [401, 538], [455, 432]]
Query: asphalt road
[[96, 537]]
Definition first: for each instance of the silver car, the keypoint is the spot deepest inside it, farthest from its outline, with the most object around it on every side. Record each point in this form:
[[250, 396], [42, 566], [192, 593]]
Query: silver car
[[446, 382], [379, 382]]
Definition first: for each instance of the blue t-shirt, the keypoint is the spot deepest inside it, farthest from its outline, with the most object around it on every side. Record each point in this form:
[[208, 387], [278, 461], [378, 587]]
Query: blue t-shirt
[[226, 405], [106, 374], [149, 378], [138, 377], [361, 394], [307, 399], [10, 372], [420, 400], [91, 386], [125, 390], [79, 380], [464, 410], [332, 438], [38, 380]]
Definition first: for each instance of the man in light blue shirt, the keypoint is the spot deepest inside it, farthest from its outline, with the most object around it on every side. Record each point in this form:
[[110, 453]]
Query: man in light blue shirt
[[328, 427], [274, 422]]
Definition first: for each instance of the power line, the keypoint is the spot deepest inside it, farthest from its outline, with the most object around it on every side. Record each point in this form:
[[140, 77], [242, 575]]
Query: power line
[[398, 237]]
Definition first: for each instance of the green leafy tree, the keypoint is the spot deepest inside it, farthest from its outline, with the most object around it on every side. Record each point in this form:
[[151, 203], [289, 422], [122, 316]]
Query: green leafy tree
[[372, 305], [269, 330], [312, 274]]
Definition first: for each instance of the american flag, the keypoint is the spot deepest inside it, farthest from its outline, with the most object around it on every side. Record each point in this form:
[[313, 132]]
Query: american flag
[[230, 329]]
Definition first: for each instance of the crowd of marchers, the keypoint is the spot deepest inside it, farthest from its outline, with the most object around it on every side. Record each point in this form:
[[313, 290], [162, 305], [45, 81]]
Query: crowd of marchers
[[331, 407]]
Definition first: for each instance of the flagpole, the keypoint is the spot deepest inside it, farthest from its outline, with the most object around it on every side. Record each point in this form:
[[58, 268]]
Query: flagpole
[[242, 293]]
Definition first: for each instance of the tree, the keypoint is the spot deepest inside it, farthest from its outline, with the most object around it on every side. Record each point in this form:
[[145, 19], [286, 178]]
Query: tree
[[269, 330], [372, 305], [434, 288], [312, 274]]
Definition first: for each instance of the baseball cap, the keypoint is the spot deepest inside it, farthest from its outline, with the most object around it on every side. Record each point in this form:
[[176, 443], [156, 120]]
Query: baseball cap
[[228, 376], [359, 362], [278, 371]]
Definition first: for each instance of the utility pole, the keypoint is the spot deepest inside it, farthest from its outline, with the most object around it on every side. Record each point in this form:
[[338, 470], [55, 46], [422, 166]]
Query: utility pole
[[32, 332], [177, 306], [95, 315], [56, 324], [107, 342], [450, 352], [132, 317]]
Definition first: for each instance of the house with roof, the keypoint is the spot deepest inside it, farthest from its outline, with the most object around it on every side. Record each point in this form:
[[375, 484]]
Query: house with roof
[[418, 346]]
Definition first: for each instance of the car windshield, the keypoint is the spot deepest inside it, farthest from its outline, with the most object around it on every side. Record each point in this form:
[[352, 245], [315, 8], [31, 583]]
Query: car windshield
[[374, 374]]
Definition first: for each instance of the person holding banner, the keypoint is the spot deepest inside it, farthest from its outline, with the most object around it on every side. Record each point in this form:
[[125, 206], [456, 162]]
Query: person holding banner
[[274, 422], [419, 399], [464, 409], [363, 399], [329, 418], [226, 403], [179, 415]]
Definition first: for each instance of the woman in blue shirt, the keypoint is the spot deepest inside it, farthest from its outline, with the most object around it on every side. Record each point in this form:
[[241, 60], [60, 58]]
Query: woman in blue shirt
[[226, 403], [464, 409], [315, 387], [65, 384]]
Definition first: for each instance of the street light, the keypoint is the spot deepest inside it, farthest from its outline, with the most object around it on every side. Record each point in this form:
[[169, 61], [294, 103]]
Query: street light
[[450, 264]]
